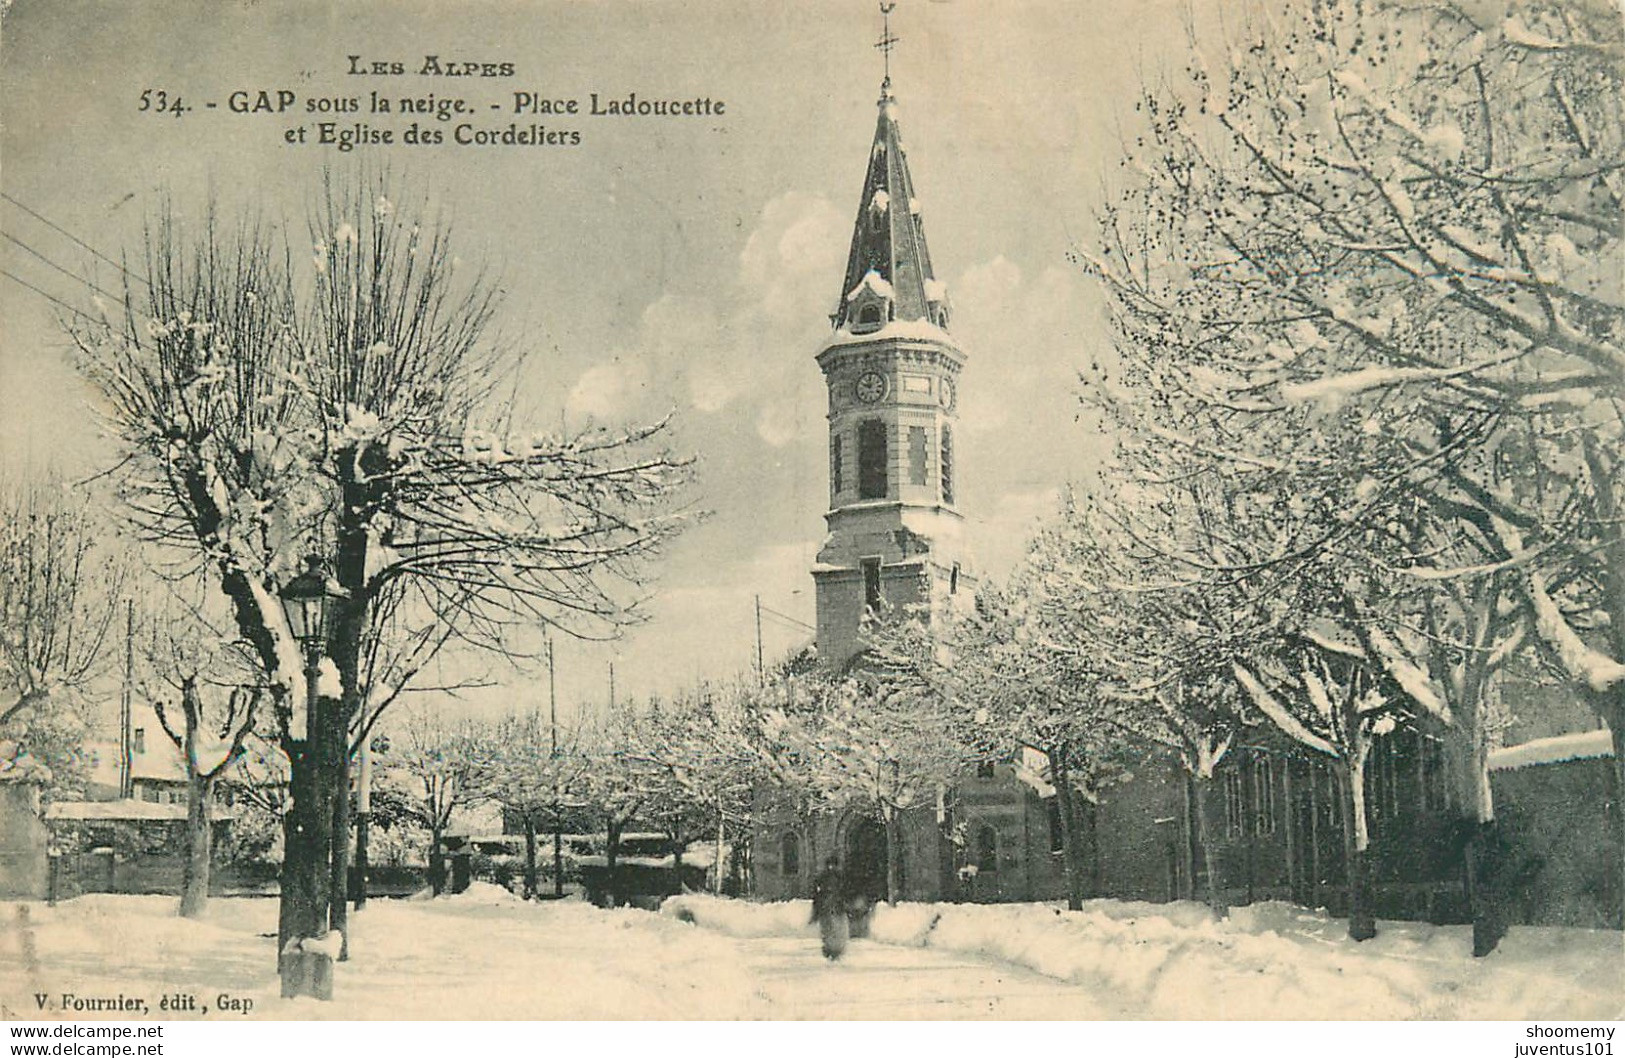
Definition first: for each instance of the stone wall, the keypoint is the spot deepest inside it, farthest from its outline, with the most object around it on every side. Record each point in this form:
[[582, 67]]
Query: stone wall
[[23, 843]]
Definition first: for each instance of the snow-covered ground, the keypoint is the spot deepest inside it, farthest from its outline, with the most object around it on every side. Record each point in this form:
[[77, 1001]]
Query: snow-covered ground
[[1268, 961], [487, 955]]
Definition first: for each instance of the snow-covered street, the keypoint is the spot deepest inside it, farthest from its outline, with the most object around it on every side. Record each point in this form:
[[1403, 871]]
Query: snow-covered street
[[876, 982], [484, 956], [487, 955]]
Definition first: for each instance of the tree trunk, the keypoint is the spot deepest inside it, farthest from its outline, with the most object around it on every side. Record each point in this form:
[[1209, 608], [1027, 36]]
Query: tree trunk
[[195, 881], [612, 853], [363, 828], [1615, 895], [1209, 840], [1188, 838], [308, 832], [894, 856], [363, 866], [722, 825], [677, 844], [558, 852], [437, 861], [530, 855], [1469, 766], [1351, 805], [1070, 845], [338, 916]]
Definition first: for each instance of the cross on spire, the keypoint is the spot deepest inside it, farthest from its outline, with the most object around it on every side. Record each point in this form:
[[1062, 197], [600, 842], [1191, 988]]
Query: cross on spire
[[887, 42]]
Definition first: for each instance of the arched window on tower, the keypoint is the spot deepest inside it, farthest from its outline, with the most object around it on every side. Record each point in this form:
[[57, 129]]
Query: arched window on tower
[[947, 464], [869, 317], [835, 468], [917, 469], [872, 460]]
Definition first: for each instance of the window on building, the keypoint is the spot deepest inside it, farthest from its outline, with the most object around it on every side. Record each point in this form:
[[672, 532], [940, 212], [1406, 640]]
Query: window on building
[[984, 769], [871, 460], [156, 838], [138, 741], [953, 580], [916, 455], [987, 849], [790, 854], [149, 794], [835, 465], [1235, 806], [871, 583], [869, 317], [1263, 796], [947, 465], [99, 837]]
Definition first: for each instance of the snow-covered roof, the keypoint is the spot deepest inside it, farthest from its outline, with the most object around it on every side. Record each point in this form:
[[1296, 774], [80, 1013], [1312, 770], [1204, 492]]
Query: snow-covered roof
[[94, 810], [871, 281], [627, 861], [912, 562], [1580, 745], [1036, 780], [888, 242], [915, 330]]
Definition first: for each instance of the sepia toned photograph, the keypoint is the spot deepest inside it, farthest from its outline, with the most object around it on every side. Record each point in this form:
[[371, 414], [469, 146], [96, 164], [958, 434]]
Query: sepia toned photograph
[[930, 510]]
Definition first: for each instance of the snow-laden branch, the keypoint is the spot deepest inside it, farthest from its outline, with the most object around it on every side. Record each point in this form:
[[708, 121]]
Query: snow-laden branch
[[1278, 713]]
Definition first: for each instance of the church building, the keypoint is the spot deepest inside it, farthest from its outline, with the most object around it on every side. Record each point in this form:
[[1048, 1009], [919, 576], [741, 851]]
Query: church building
[[891, 368], [896, 537]]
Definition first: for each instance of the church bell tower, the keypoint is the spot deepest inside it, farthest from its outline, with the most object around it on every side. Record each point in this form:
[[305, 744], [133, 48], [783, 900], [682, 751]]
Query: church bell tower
[[892, 369]]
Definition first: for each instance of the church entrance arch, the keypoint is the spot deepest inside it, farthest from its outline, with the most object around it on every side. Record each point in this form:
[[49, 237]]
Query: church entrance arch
[[866, 857]]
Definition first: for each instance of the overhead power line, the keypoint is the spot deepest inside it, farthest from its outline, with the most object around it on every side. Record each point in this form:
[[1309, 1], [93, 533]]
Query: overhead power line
[[768, 611], [48, 297], [49, 223], [70, 273]]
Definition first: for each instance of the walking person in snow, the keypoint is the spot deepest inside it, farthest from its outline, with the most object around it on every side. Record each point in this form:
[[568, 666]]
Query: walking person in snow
[[829, 906]]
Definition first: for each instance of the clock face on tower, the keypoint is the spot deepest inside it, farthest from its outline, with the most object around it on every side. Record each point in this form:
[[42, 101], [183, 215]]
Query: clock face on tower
[[946, 393], [871, 386]]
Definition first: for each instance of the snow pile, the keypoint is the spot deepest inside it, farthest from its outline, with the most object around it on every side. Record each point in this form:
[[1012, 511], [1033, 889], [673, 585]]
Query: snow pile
[[481, 894], [1576, 746], [910, 925], [450, 958], [1267, 961], [741, 918]]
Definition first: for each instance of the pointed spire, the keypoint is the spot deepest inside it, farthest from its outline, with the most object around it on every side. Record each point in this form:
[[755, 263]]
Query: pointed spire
[[888, 269]]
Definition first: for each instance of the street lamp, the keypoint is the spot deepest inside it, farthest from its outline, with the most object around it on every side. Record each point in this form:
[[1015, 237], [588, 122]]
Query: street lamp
[[311, 603]]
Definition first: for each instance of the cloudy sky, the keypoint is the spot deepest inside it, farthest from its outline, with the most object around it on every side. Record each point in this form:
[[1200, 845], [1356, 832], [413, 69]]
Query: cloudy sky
[[679, 264]]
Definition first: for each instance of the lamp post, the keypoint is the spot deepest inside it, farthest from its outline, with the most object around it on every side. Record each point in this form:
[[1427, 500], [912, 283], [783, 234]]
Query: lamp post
[[311, 602]]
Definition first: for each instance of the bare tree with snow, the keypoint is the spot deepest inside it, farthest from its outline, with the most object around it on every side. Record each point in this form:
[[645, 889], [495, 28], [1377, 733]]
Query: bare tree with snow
[[1375, 258], [344, 402], [59, 589]]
